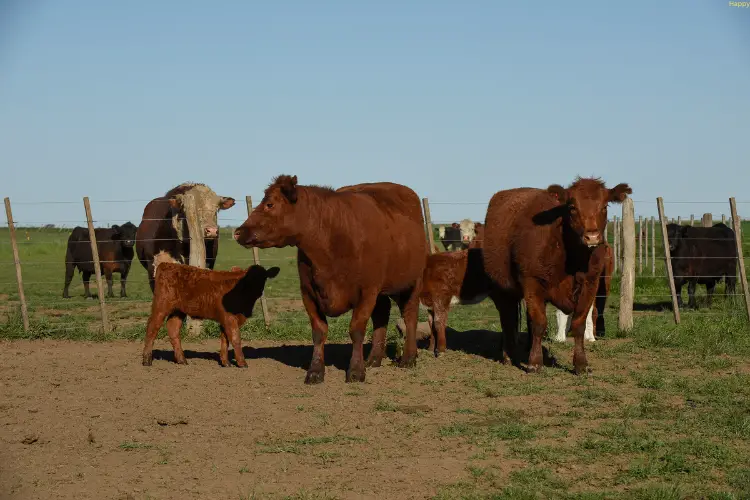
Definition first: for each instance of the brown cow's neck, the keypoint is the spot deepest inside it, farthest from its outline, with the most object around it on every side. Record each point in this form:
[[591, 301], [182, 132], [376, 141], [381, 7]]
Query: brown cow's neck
[[315, 220], [577, 255]]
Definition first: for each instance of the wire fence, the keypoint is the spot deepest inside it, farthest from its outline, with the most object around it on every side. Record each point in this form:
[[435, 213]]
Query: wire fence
[[41, 247]]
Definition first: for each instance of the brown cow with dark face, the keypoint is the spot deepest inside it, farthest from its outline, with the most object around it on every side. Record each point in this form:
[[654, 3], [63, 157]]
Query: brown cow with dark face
[[548, 246], [357, 247]]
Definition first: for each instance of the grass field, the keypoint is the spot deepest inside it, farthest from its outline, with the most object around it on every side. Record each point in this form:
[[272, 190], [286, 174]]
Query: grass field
[[665, 414]]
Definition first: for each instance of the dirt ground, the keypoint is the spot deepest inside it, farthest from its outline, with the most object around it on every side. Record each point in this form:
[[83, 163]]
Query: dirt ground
[[85, 420]]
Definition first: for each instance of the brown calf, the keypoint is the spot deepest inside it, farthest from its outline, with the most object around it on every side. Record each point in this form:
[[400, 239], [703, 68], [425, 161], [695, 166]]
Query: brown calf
[[226, 297], [548, 246], [451, 278], [357, 248]]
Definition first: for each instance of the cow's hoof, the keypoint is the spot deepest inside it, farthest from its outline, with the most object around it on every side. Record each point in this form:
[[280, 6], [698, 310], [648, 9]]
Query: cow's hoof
[[242, 366], [181, 361], [315, 377], [355, 375], [582, 370], [408, 362], [533, 368], [225, 365], [146, 362], [374, 361]]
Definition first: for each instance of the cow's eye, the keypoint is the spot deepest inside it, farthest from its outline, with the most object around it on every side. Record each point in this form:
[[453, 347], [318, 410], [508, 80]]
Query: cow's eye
[[269, 205]]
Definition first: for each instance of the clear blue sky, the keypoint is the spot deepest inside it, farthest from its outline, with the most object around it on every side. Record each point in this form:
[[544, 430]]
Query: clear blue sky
[[456, 99]]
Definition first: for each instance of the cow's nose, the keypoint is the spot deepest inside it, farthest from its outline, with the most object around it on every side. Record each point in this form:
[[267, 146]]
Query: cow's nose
[[592, 238], [236, 234], [212, 232]]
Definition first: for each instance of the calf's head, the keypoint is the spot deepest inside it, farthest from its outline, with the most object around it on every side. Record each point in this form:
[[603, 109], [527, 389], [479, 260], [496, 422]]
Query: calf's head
[[249, 289], [273, 223], [125, 234], [586, 203], [201, 200], [675, 233]]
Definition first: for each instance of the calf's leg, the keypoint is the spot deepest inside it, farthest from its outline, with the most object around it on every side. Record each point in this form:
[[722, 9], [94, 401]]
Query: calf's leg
[[380, 316], [223, 348], [86, 276], [108, 275], [408, 304], [69, 272], [536, 310], [710, 287], [439, 322], [233, 334], [316, 372], [152, 329], [174, 323]]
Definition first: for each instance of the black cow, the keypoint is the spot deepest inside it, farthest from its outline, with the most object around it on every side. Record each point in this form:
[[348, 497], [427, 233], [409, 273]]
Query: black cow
[[702, 255], [450, 237], [116, 252]]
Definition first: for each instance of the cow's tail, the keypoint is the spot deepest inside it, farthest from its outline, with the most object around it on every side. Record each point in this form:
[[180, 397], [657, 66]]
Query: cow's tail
[[162, 257]]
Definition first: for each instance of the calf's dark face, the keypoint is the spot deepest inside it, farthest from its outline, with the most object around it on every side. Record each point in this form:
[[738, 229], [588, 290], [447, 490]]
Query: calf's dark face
[[673, 236], [126, 234], [273, 223], [587, 208]]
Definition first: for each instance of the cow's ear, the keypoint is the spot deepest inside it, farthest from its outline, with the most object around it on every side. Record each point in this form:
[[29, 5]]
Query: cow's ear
[[226, 202], [558, 192], [174, 203], [272, 272], [618, 193], [288, 186], [116, 228]]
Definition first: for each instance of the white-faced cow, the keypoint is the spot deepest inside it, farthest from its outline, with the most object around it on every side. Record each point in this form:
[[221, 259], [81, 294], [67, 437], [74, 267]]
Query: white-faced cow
[[168, 226]]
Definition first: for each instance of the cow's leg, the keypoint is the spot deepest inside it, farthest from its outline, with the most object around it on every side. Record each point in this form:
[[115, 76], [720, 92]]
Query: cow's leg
[[508, 309], [360, 316], [562, 325], [730, 283], [536, 309], [691, 294], [233, 333], [174, 323], [433, 333], [440, 320], [108, 276], [380, 316], [152, 329], [316, 372], [581, 316], [86, 276], [69, 272], [408, 304], [124, 278], [224, 348]]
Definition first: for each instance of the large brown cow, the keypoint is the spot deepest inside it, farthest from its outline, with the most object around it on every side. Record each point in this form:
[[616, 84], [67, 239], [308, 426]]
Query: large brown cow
[[165, 225], [548, 246], [357, 247]]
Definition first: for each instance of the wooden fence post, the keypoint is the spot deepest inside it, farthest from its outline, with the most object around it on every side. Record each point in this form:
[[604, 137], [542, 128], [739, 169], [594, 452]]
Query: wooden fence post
[[616, 243], [737, 222], [723, 219], [679, 220], [640, 244], [668, 260], [692, 220], [653, 246], [428, 225], [256, 261], [645, 242], [627, 281], [707, 220], [17, 262], [97, 264]]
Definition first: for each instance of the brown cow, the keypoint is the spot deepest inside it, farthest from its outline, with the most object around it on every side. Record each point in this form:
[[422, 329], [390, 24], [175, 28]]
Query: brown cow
[[227, 297], [451, 278], [357, 247], [548, 246]]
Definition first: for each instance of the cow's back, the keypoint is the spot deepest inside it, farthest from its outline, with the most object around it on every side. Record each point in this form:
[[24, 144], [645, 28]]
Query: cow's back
[[706, 252], [514, 243], [387, 230]]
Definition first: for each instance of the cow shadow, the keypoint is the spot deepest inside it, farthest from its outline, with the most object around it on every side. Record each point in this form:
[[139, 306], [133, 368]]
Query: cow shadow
[[488, 344], [484, 343], [653, 307], [295, 356]]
